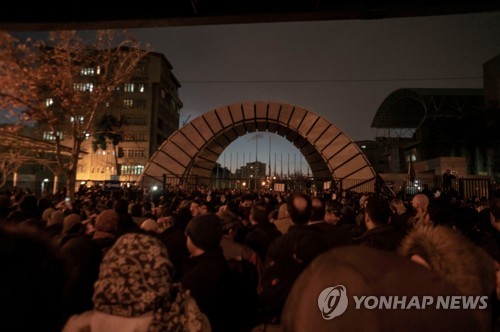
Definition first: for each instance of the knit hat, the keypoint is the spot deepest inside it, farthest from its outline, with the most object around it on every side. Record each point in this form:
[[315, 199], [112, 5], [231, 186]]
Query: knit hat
[[107, 221], [205, 231]]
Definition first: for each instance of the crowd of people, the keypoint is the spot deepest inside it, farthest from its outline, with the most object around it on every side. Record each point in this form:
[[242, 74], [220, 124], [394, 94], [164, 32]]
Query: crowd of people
[[230, 260]]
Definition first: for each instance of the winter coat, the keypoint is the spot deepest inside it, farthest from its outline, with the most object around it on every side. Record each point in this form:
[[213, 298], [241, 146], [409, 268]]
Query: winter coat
[[456, 259]]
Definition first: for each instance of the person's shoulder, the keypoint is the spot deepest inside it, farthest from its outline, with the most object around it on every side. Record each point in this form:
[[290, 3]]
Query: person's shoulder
[[79, 322]]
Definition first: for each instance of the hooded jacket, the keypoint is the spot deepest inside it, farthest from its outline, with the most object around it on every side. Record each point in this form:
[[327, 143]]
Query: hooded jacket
[[457, 260]]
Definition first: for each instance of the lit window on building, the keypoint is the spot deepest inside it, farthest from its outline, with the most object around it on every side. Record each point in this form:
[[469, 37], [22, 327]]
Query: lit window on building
[[49, 135], [128, 103], [129, 87], [49, 101], [87, 71], [81, 118], [141, 87], [132, 169], [83, 87], [134, 153]]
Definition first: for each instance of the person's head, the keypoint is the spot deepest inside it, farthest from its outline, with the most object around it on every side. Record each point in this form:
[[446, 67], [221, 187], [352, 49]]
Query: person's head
[[363, 200], [166, 219], [420, 203], [195, 208], [136, 210], [455, 259], [397, 206], [28, 203], [72, 224], [439, 211], [46, 214], [56, 217], [495, 214], [334, 277], [121, 206], [299, 208], [135, 280], [245, 206], [333, 212], [282, 211], [377, 212], [32, 281], [205, 208], [230, 223], [259, 214], [246, 201], [149, 225], [203, 233], [318, 209], [108, 221]]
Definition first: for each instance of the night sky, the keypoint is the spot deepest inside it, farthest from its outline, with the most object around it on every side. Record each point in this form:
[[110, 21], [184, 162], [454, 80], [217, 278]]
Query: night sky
[[341, 70]]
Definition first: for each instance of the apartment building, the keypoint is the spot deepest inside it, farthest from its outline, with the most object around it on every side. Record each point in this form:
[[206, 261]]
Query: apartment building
[[147, 112]]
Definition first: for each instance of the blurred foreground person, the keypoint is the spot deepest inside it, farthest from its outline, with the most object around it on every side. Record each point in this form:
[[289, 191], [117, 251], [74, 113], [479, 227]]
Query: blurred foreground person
[[204, 272], [134, 292], [32, 281], [457, 260], [341, 290]]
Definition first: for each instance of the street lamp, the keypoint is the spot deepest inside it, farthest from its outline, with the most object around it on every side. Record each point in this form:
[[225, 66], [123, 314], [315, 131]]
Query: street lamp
[[43, 184]]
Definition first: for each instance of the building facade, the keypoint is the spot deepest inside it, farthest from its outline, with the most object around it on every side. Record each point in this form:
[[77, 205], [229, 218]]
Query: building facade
[[147, 111]]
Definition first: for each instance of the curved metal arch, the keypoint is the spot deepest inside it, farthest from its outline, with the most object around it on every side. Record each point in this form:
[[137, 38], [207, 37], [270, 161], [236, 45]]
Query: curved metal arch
[[194, 149]]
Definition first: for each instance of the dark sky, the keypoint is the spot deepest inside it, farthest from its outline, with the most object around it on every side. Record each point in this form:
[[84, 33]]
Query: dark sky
[[341, 70]]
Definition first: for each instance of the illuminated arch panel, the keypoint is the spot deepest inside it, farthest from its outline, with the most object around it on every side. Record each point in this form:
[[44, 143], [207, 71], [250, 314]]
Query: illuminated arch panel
[[193, 150]]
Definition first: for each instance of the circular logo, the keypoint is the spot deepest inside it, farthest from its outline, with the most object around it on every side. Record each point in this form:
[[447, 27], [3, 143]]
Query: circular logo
[[332, 301]]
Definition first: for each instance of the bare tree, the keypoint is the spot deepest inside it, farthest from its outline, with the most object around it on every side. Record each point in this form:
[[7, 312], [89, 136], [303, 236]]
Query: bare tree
[[64, 83], [106, 130]]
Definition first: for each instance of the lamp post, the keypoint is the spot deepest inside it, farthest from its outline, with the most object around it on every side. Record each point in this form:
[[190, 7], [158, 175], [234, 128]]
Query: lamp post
[[43, 184]]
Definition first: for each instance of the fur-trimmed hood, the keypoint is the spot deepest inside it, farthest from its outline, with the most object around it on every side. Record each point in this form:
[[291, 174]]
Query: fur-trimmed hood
[[454, 257]]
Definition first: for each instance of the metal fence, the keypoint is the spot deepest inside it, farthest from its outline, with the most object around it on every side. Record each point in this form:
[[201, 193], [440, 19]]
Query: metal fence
[[469, 187]]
